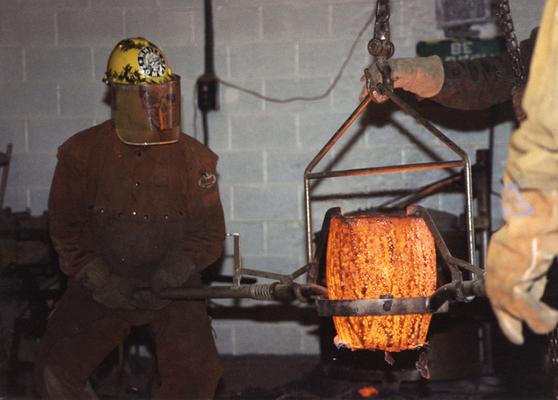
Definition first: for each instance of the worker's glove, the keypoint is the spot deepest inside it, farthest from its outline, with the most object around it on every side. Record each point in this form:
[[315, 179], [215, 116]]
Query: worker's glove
[[423, 76], [106, 288], [173, 272], [519, 255]]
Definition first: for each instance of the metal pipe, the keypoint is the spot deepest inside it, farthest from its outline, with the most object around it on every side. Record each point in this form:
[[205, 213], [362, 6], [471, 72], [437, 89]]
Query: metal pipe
[[387, 169], [460, 291], [340, 132], [407, 199], [273, 291], [457, 150]]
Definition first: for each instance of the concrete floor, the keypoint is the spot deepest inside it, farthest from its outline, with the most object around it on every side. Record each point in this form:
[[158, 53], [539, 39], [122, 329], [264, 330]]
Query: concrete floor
[[302, 377]]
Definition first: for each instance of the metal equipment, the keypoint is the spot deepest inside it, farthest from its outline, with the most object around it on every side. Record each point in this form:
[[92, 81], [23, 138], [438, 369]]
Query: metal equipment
[[285, 287]]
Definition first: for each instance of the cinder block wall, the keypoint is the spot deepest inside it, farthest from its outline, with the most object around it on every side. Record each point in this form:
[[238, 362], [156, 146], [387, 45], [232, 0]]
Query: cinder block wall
[[53, 55]]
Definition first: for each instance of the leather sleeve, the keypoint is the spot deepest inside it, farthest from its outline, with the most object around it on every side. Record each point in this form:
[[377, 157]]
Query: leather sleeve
[[203, 232], [481, 83], [68, 214]]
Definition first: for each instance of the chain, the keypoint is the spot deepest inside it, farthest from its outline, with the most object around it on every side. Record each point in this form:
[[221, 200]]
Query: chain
[[503, 12], [380, 46]]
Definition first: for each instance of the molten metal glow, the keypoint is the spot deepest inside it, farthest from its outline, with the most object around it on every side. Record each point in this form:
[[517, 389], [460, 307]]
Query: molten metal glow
[[370, 256]]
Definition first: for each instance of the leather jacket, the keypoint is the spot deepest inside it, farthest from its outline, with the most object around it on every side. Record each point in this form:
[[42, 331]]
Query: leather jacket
[[133, 206]]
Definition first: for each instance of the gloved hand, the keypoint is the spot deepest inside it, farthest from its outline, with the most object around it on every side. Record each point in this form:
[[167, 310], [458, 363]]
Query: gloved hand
[[174, 271], [423, 76], [519, 256], [106, 288]]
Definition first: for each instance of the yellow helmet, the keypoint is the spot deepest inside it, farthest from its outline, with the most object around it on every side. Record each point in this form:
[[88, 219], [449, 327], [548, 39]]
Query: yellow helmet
[[137, 61]]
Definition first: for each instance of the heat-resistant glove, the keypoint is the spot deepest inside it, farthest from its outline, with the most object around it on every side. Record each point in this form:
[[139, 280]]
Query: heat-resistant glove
[[173, 272], [423, 76], [106, 288], [519, 256]]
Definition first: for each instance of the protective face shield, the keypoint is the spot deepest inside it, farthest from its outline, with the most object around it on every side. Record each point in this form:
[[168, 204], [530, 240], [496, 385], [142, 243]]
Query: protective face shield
[[145, 94]]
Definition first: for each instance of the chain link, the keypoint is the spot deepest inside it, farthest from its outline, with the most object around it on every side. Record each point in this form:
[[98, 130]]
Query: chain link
[[504, 17], [380, 46]]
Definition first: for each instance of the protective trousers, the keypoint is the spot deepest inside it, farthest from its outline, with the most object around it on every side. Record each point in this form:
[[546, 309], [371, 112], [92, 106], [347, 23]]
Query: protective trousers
[[82, 332]]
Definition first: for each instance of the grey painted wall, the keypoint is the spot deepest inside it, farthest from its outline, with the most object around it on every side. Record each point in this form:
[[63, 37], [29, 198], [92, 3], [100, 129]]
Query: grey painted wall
[[53, 54]]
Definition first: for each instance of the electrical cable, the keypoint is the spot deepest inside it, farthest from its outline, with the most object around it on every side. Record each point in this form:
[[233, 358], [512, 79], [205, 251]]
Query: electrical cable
[[307, 98], [326, 93]]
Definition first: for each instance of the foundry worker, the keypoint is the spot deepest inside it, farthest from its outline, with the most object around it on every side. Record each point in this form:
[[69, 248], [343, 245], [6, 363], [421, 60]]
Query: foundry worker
[[134, 204], [521, 252]]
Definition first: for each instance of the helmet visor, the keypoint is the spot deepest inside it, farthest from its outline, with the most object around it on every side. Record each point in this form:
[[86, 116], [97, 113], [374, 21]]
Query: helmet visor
[[147, 114]]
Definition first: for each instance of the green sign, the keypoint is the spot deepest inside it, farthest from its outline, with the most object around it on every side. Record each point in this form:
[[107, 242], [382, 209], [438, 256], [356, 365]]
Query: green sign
[[461, 49]]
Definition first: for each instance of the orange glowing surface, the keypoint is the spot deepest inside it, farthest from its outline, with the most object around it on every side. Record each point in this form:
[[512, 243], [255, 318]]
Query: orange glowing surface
[[370, 256]]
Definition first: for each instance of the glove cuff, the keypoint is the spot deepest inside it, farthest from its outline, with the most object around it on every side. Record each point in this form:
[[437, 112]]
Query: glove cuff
[[423, 76]]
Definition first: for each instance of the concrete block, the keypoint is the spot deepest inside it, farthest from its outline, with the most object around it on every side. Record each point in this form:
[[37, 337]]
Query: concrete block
[[58, 64], [39, 28], [224, 337], [266, 202], [325, 59], [263, 60], [279, 264], [150, 5], [187, 109], [287, 166], [100, 59], [268, 338], [85, 100], [345, 95], [359, 191], [291, 88], [32, 169], [497, 214], [386, 127], [286, 239], [89, 27], [11, 64], [235, 101], [186, 61], [356, 155], [263, 132], [9, 5], [526, 16], [38, 98], [241, 167], [453, 203], [236, 24], [46, 134], [49, 4], [316, 127], [39, 199], [310, 341], [218, 132], [349, 18], [414, 155], [162, 27], [225, 192], [251, 238], [503, 131], [415, 19], [13, 131], [295, 20], [178, 5], [16, 196]]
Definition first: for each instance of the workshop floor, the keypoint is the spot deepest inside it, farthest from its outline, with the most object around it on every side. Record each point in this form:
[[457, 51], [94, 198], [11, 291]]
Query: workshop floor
[[300, 377]]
